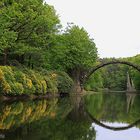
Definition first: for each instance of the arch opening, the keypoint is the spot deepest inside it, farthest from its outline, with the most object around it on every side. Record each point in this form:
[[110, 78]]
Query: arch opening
[[94, 69]]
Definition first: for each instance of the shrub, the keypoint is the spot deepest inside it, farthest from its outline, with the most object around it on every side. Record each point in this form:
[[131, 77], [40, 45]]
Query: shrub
[[38, 82], [16, 88], [8, 73], [51, 85], [4, 86], [18, 81], [51, 81], [65, 83]]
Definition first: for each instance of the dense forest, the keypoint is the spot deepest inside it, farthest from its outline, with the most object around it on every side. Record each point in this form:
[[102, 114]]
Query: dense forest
[[39, 56]]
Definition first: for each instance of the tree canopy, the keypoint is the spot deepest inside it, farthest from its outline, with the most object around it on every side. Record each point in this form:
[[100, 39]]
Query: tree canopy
[[31, 35], [26, 27]]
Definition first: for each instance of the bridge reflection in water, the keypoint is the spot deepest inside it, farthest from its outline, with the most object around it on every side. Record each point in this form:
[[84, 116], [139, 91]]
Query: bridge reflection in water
[[106, 108], [81, 110], [72, 118], [113, 128]]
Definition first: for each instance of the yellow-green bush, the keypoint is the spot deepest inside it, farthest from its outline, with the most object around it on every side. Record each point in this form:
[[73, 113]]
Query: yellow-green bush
[[9, 84], [8, 73], [51, 85], [4, 86], [38, 82], [17, 81], [14, 81], [16, 88], [51, 80], [27, 83]]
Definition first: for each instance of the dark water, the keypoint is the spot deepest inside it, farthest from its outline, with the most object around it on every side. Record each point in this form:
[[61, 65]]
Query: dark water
[[111, 116]]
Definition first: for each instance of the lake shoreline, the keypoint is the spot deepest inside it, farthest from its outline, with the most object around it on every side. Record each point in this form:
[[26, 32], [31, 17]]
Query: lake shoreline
[[28, 97]]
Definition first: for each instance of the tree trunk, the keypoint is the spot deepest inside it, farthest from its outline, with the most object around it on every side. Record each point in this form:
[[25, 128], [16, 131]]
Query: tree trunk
[[32, 66], [75, 75], [5, 57], [22, 58], [29, 61], [77, 86]]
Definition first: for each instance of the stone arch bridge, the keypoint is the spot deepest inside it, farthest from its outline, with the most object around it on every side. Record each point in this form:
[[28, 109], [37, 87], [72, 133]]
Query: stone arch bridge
[[94, 69]]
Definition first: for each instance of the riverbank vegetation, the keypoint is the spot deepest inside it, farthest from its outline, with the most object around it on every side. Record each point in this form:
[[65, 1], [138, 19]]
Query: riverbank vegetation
[[31, 36], [34, 48], [18, 81]]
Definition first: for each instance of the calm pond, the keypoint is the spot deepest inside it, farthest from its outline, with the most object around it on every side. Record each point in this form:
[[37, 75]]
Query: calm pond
[[112, 116]]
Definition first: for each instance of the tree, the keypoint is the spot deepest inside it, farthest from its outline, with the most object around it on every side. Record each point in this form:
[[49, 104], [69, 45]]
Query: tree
[[135, 75], [95, 82], [26, 28], [74, 53]]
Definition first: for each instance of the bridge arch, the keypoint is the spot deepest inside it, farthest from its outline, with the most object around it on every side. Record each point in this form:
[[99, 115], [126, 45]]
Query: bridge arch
[[94, 69], [111, 127]]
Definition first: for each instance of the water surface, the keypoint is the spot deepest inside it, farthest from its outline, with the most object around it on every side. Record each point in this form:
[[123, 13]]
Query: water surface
[[112, 116]]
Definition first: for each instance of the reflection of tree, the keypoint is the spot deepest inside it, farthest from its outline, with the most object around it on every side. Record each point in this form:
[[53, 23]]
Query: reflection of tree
[[19, 113], [48, 120], [79, 114]]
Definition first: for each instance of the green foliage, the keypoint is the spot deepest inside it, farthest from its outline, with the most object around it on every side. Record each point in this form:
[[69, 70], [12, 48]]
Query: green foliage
[[26, 28], [51, 85], [95, 82], [115, 76], [58, 79], [30, 35], [134, 73], [16, 82], [65, 83], [74, 50], [75, 53], [16, 88], [38, 82], [25, 80]]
